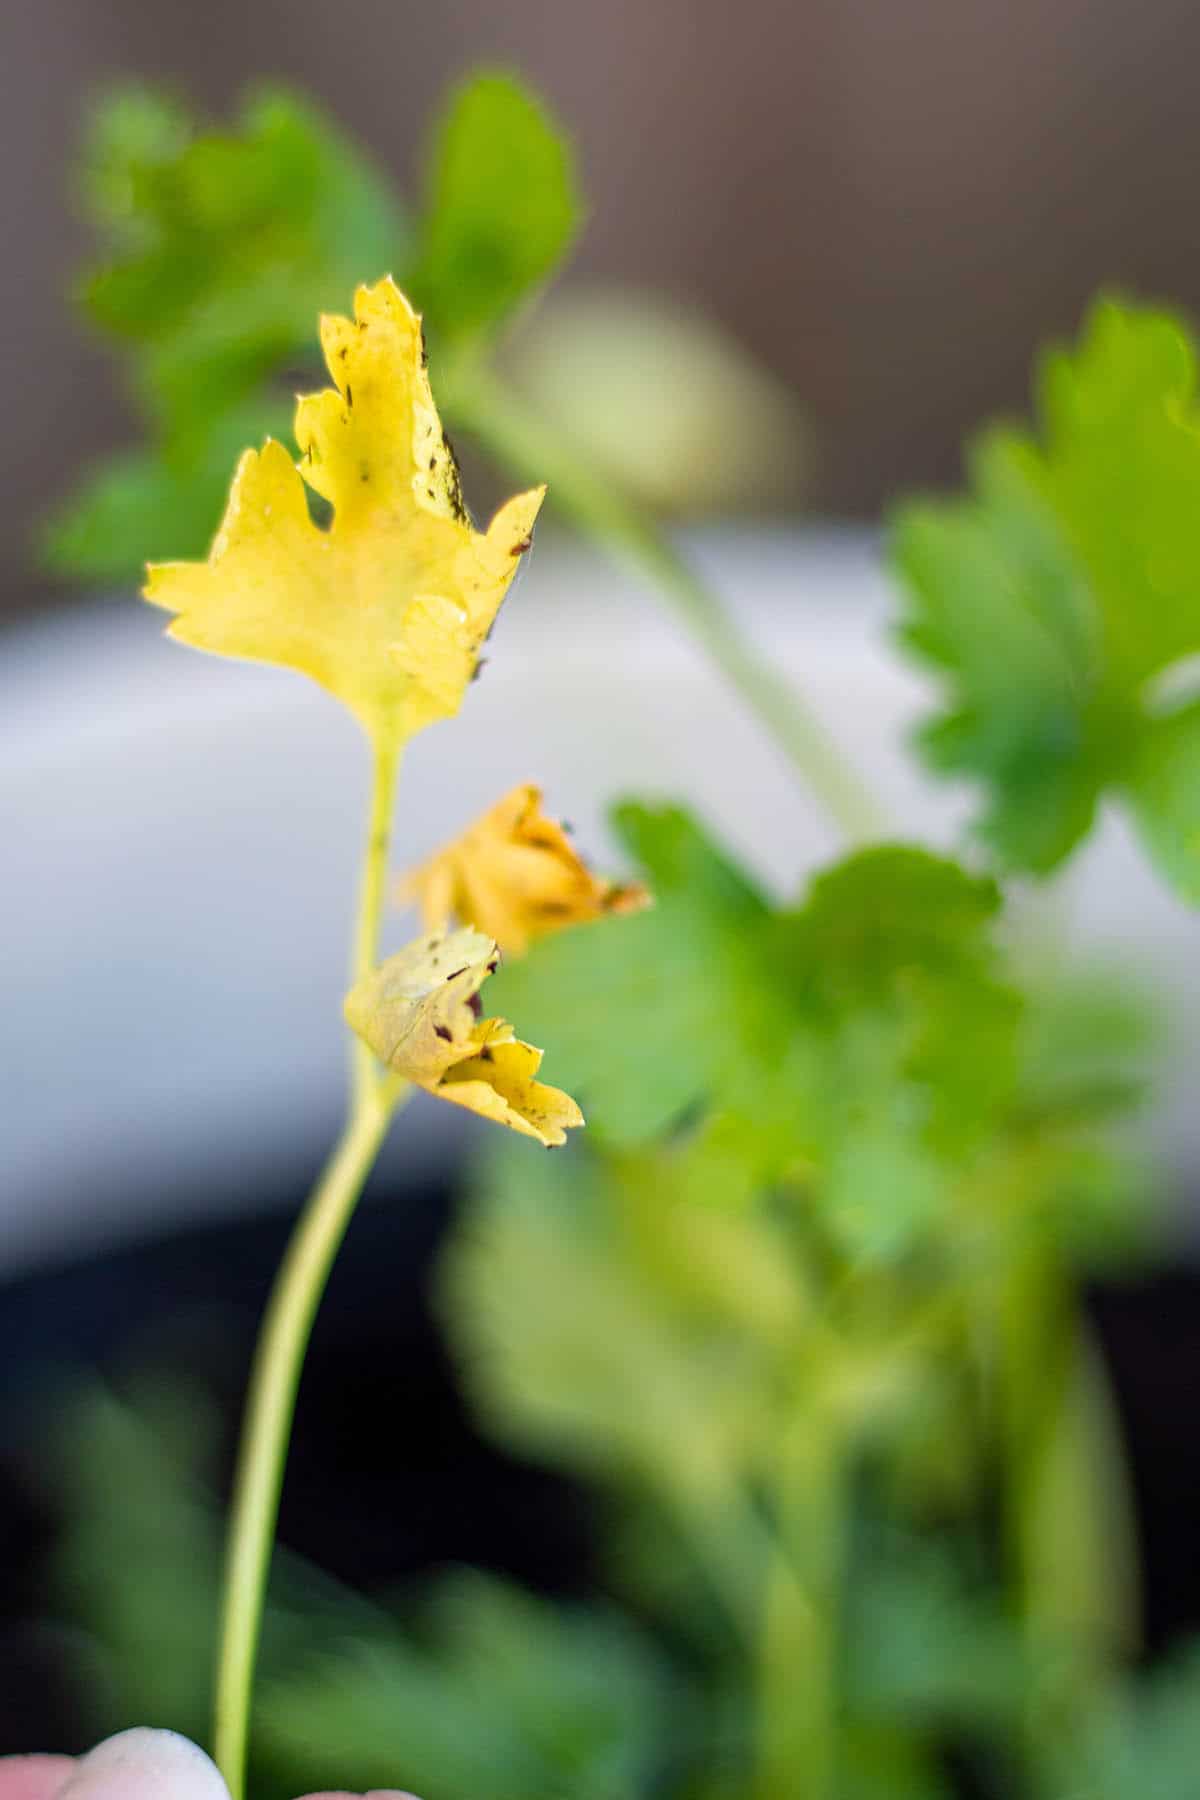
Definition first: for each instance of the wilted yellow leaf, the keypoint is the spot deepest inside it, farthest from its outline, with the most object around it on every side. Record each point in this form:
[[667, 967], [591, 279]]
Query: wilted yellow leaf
[[515, 874], [387, 608], [417, 1012]]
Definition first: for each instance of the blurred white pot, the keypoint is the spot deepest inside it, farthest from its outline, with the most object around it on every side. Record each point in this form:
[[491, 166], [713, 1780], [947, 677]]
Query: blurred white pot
[[180, 840]]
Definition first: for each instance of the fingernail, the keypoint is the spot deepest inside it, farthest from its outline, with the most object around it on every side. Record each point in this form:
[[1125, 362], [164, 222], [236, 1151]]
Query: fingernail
[[145, 1765]]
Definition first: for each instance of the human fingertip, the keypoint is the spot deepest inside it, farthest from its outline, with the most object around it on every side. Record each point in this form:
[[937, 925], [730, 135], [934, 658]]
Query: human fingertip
[[145, 1764]]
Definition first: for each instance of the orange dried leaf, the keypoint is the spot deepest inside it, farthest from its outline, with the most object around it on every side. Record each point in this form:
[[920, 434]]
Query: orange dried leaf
[[515, 875]]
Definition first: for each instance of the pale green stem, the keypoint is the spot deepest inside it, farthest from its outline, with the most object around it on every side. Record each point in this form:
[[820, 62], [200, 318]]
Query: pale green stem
[[268, 1421], [283, 1339], [373, 892], [796, 1745], [732, 1545], [497, 417], [1069, 1518]]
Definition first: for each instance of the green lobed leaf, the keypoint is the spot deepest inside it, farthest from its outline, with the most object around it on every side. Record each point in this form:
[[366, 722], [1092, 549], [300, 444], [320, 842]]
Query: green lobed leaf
[[1049, 597], [999, 606], [281, 198], [647, 1014], [891, 965], [1163, 791], [1119, 464], [146, 505], [503, 205], [218, 251]]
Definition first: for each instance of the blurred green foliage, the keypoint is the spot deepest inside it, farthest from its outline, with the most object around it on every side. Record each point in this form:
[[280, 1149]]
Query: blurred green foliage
[[493, 1691], [1054, 598], [873, 1032], [761, 1310], [220, 248], [502, 208], [802, 1306]]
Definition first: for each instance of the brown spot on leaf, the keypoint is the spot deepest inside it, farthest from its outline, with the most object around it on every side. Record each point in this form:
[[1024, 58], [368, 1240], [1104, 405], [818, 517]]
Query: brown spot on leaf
[[458, 505], [443, 1031]]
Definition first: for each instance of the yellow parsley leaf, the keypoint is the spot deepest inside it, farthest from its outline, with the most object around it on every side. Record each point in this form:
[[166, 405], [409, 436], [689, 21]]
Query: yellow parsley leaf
[[415, 1012], [387, 608], [515, 874]]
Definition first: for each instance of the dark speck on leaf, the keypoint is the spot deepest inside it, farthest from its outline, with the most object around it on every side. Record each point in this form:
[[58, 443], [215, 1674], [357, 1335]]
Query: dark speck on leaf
[[349, 395], [493, 965], [521, 546], [457, 973], [454, 483], [443, 1031]]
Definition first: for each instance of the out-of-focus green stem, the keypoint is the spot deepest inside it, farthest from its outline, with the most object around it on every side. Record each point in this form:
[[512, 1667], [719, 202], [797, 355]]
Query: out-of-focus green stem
[[796, 1740], [483, 405], [1069, 1513]]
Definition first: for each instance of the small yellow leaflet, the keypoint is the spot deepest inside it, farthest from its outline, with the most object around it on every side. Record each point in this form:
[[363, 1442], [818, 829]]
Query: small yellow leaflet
[[416, 1013]]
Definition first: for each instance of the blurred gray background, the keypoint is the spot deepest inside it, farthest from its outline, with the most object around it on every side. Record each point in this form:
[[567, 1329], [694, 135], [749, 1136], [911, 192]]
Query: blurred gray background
[[891, 202]]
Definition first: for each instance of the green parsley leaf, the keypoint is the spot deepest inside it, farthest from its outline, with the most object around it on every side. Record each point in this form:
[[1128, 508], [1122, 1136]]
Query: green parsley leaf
[[503, 205], [672, 987], [1163, 791], [1051, 596], [218, 250]]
